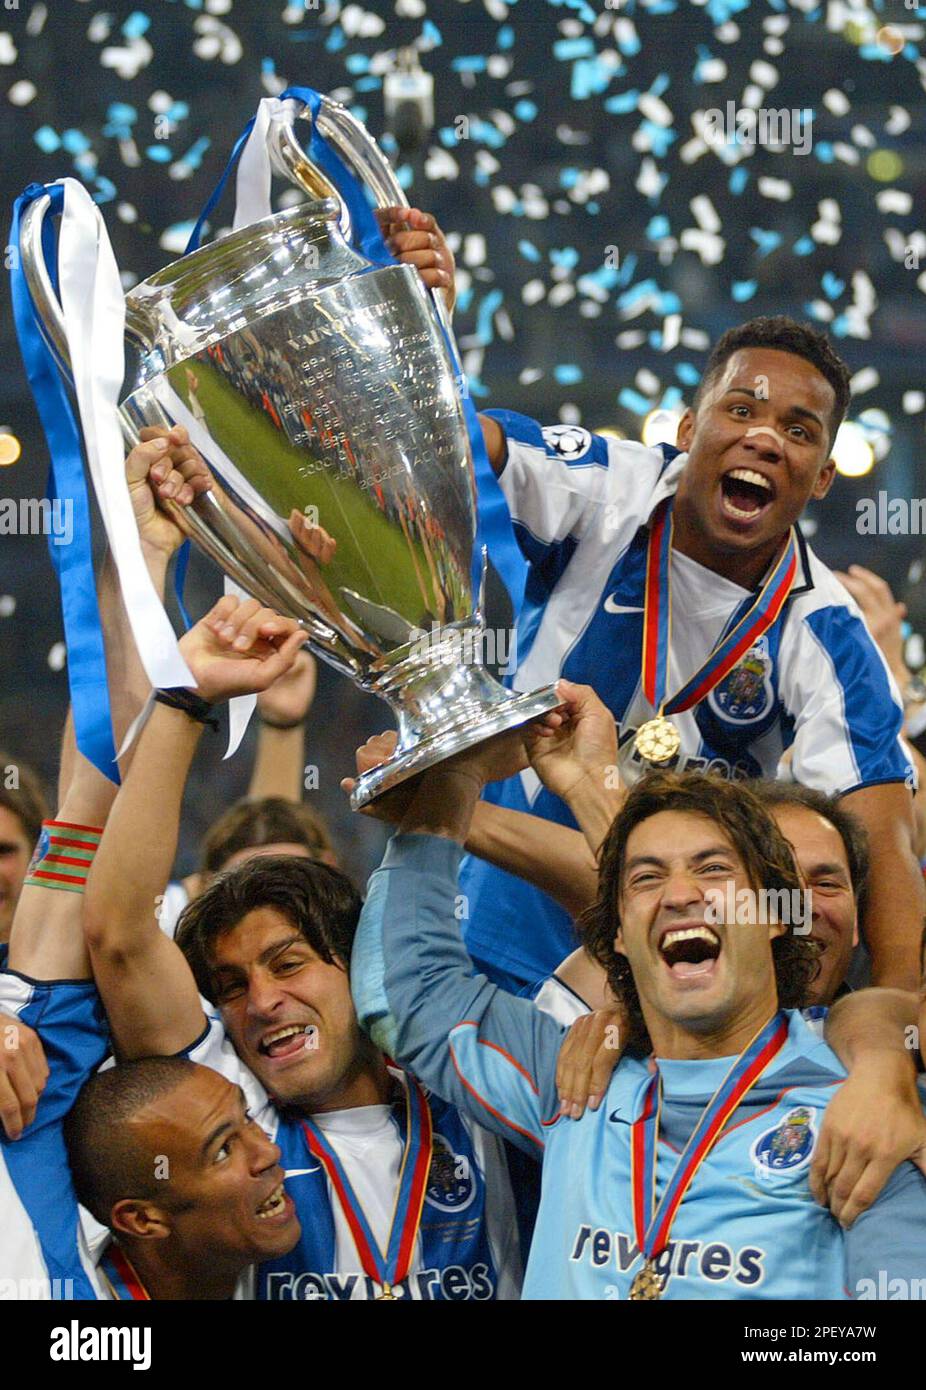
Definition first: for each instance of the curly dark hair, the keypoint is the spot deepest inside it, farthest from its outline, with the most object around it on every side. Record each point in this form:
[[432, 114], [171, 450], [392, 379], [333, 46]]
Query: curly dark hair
[[786, 335], [766, 856], [268, 820]]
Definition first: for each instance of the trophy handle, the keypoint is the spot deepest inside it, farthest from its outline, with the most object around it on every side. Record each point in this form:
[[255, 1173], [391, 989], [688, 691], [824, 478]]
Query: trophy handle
[[359, 151]]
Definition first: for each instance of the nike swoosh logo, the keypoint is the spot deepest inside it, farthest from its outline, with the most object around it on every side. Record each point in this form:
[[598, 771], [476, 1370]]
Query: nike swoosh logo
[[611, 607], [298, 1172], [617, 1118]]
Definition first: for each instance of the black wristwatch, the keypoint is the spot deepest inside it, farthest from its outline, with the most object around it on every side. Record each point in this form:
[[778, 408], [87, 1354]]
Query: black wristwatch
[[178, 697]]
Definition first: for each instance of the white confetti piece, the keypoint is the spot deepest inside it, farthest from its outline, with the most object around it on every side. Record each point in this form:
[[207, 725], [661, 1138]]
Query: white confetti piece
[[36, 21], [57, 656], [753, 96], [848, 154], [128, 61], [570, 414], [705, 213], [496, 9], [861, 135], [7, 605], [632, 338], [561, 294], [503, 198], [774, 47], [589, 310], [358, 23], [836, 101], [128, 153], [671, 332], [822, 310], [440, 164], [21, 93], [7, 50], [486, 163], [498, 65], [763, 74], [779, 189], [533, 292], [216, 40], [776, 24], [647, 382], [695, 338], [913, 402], [410, 9], [655, 110], [894, 200], [126, 212], [160, 102], [529, 375], [474, 249], [728, 33], [713, 70], [864, 380], [898, 121]]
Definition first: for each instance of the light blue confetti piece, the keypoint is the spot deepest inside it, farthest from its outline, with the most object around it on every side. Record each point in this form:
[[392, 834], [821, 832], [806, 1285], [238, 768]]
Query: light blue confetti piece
[[632, 400], [477, 387], [525, 110], [481, 178], [465, 297], [567, 373], [122, 113], [824, 151], [738, 179], [568, 178], [623, 102], [178, 112], [529, 251], [813, 310], [832, 285], [356, 62], [840, 326], [592, 207], [194, 154], [136, 25], [360, 112], [626, 272], [586, 13], [47, 139], [389, 143], [590, 77], [505, 37], [605, 277], [485, 331], [469, 63], [368, 84], [566, 256], [74, 141], [643, 290], [405, 173], [105, 190], [336, 40], [160, 154], [430, 31], [874, 53], [655, 339], [741, 290], [660, 137], [661, 7], [671, 398], [85, 164], [447, 136], [486, 133], [658, 227], [566, 49], [804, 247], [668, 303], [661, 82], [687, 373], [766, 241], [629, 43]]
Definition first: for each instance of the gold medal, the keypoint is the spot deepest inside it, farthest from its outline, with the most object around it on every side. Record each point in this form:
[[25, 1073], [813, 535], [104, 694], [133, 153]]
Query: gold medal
[[386, 1294], [658, 740], [647, 1284]]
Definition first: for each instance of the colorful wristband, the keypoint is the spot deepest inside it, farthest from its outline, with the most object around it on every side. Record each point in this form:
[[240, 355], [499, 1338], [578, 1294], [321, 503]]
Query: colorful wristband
[[63, 856]]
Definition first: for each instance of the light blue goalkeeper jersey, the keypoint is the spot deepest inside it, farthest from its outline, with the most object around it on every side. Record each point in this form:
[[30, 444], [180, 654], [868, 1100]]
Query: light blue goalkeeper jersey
[[748, 1227]]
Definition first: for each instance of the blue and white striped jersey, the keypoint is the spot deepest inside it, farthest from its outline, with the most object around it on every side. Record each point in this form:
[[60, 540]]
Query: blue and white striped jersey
[[42, 1251], [816, 682], [748, 1226]]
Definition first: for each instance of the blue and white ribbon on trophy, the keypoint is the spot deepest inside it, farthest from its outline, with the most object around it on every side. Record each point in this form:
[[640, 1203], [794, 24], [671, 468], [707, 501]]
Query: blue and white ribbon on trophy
[[84, 275], [494, 531]]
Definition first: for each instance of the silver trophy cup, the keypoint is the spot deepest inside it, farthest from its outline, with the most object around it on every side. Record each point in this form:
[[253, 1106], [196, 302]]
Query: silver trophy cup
[[322, 397]]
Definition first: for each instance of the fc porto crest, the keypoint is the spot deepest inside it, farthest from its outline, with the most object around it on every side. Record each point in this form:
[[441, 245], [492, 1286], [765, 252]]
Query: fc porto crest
[[789, 1145], [42, 847], [569, 441], [451, 1184], [745, 694]]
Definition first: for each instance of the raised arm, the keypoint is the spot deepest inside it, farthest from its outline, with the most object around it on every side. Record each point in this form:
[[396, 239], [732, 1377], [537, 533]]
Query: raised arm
[[146, 984], [896, 899]]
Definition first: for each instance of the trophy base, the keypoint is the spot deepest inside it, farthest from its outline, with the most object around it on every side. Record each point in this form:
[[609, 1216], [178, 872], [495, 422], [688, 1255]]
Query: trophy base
[[506, 714]]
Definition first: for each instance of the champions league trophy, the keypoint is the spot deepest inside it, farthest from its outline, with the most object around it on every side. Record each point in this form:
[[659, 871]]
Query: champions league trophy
[[321, 393]]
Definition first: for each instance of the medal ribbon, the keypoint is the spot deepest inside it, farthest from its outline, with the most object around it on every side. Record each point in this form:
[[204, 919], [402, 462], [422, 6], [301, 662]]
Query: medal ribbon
[[657, 620], [653, 1222], [406, 1214], [121, 1276]]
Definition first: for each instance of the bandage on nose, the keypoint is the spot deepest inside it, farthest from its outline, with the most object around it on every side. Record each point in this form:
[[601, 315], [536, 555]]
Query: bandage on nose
[[766, 429]]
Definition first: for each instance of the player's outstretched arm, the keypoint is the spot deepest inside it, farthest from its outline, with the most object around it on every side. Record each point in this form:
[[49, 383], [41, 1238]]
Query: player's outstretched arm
[[875, 1120], [146, 984], [489, 1053]]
